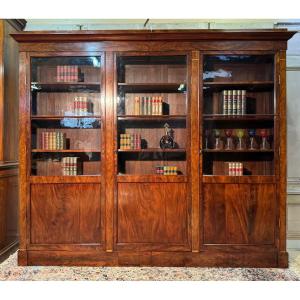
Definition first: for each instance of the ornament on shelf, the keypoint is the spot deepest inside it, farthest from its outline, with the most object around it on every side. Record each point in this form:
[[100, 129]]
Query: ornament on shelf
[[218, 144], [229, 142], [167, 141], [264, 136], [240, 134], [251, 133]]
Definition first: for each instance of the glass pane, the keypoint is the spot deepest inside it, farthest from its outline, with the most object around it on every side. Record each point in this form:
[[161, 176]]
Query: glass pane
[[66, 116], [238, 115], [152, 109]]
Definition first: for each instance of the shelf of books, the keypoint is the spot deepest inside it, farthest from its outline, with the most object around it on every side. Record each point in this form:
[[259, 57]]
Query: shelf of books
[[238, 115], [66, 116], [152, 116]]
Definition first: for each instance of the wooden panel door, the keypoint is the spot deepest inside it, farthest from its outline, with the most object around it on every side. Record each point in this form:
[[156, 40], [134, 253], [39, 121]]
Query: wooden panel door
[[239, 213], [152, 215], [65, 214]]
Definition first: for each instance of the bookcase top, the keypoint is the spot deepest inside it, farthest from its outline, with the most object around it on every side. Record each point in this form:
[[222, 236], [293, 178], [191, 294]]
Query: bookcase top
[[152, 35]]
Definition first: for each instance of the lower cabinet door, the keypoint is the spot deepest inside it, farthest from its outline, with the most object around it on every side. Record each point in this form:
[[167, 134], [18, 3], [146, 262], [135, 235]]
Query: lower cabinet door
[[65, 213], [152, 216], [239, 213]]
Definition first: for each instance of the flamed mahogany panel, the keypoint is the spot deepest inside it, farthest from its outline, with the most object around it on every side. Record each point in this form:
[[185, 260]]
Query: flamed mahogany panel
[[239, 213], [65, 213], [152, 213]]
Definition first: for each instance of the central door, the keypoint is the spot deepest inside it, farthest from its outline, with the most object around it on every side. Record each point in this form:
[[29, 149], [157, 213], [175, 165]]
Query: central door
[[152, 152]]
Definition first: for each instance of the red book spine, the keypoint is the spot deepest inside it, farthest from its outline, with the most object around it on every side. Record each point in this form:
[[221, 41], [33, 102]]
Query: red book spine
[[42, 140]]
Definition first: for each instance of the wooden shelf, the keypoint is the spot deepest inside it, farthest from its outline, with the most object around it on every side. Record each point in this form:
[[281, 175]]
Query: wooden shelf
[[249, 117], [150, 118], [251, 85], [152, 150], [150, 87], [44, 117], [151, 178], [66, 179], [65, 86], [65, 150], [239, 179], [237, 151]]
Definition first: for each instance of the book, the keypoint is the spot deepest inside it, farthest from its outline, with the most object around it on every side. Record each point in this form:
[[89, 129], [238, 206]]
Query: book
[[229, 102], [234, 102], [149, 106], [234, 168], [166, 170], [243, 102], [130, 141], [69, 166], [67, 73], [225, 102], [137, 105], [239, 102], [160, 106]]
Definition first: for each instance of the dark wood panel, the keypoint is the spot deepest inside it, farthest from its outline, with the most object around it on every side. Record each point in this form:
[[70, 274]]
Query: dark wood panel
[[65, 213], [239, 213], [239, 179], [242, 258], [152, 35], [8, 208], [11, 95], [152, 213], [147, 218]]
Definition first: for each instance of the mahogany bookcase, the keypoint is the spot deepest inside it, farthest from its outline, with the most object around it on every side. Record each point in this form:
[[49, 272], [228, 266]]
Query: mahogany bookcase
[[97, 187]]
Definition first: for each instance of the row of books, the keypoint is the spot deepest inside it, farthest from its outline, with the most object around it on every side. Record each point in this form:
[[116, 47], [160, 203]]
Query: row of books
[[67, 73], [82, 106], [130, 141], [53, 140], [234, 102], [148, 105], [69, 165], [166, 170], [234, 168]]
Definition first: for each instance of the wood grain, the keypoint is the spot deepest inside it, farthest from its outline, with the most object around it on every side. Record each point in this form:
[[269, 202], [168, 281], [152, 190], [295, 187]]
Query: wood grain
[[187, 220], [65, 213], [152, 213], [239, 214]]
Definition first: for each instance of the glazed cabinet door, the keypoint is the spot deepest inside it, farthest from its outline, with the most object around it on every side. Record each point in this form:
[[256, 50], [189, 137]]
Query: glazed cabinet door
[[65, 149], [239, 148], [152, 151]]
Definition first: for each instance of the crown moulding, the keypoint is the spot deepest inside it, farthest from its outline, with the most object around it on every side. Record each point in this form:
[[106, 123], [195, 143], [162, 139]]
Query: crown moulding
[[152, 35]]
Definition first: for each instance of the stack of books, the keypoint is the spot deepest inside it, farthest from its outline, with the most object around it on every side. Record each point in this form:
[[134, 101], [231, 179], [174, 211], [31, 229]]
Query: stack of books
[[81, 106], [67, 73], [130, 141], [166, 170], [234, 168], [69, 166], [148, 105], [52, 140], [234, 102]]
